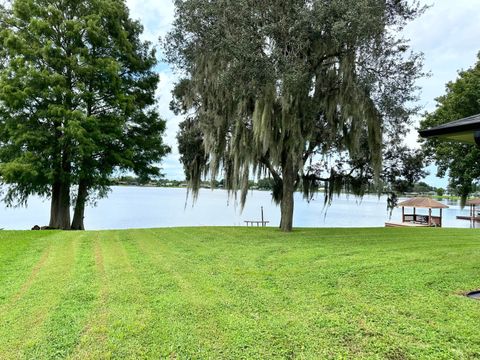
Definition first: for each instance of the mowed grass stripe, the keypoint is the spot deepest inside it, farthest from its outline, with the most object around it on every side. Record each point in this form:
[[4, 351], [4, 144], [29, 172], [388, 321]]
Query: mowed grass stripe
[[183, 322], [93, 340], [246, 288], [22, 255], [22, 325], [128, 314], [243, 293], [112, 329], [62, 329]]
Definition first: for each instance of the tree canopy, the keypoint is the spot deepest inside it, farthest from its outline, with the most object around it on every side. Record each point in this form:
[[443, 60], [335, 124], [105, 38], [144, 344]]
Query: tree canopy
[[77, 102], [274, 86], [460, 161]]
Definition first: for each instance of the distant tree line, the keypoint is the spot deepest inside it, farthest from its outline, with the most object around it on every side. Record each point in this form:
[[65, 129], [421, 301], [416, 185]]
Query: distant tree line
[[266, 184]]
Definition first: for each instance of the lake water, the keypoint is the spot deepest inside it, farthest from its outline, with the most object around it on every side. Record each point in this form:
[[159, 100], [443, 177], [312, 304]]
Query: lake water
[[146, 207]]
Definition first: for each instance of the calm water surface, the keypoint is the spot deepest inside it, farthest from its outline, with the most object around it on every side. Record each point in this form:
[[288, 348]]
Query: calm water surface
[[145, 207]]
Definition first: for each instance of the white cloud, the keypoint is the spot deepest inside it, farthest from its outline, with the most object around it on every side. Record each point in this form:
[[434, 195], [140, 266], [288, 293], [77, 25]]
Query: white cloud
[[157, 18], [447, 33], [167, 82], [155, 15], [172, 168], [171, 165]]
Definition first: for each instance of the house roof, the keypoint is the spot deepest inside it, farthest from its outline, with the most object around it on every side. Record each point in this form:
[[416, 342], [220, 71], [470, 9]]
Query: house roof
[[422, 202], [459, 130]]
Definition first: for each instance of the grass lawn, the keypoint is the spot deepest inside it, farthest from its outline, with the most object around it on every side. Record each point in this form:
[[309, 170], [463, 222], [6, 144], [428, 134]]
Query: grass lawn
[[240, 293]]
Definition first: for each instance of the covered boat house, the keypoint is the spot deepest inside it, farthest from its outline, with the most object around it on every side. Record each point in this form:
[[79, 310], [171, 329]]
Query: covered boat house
[[419, 220]]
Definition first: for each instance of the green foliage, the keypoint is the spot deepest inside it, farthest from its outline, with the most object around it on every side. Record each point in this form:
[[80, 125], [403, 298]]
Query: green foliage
[[461, 162], [77, 98], [192, 151], [265, 184], [240, 293], [273, 87], [403, 167], [422, 187]]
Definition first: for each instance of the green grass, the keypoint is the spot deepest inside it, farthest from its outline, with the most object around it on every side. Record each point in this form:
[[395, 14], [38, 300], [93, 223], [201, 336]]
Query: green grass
[[240, 293]]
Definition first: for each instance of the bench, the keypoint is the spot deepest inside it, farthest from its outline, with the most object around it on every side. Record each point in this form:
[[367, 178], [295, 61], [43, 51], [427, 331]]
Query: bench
[[258, 222]]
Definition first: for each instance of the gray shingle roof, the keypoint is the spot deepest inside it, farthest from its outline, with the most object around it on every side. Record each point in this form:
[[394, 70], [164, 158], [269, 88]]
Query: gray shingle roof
[[467, 124]]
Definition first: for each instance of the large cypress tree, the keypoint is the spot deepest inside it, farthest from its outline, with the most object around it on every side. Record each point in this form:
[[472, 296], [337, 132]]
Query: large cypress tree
[[76, 102], [275, 85]]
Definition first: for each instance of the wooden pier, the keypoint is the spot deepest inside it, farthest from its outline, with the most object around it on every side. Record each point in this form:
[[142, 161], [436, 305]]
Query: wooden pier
[[474, 215], [471, 218], [399, 224]]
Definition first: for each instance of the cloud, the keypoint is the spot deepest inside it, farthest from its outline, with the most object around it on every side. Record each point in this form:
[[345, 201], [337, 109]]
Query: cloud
[[448, 36], [156, 16], [165, 87], [171, 165]]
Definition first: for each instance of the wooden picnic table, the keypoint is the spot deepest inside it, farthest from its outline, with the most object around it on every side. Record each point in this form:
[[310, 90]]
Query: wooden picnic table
[[258, 222]]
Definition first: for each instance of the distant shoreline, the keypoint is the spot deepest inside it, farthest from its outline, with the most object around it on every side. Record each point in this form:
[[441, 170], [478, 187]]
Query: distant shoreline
[[437, 197]]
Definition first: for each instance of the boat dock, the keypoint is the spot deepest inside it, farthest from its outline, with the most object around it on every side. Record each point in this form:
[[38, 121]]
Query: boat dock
[[405, 224], [419, 220]]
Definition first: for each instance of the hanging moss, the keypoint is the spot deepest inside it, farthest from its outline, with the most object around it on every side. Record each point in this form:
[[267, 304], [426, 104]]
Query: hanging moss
[[282, 85]]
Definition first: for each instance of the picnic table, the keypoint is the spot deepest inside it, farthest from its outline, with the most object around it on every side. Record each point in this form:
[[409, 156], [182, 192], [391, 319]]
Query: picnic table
[[258, 222]]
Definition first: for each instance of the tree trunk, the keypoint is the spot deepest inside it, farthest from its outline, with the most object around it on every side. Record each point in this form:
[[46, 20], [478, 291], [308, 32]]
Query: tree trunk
[[79, 212], [286, 205], [60, 206]]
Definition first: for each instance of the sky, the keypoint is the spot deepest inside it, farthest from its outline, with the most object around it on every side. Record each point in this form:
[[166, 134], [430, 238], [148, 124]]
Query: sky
[[447, 33]]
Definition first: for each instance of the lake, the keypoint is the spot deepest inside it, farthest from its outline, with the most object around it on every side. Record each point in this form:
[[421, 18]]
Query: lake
[[147, 207]]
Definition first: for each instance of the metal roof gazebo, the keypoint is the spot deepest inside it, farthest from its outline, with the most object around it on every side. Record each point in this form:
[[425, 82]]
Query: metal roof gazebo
[[419, 220]]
